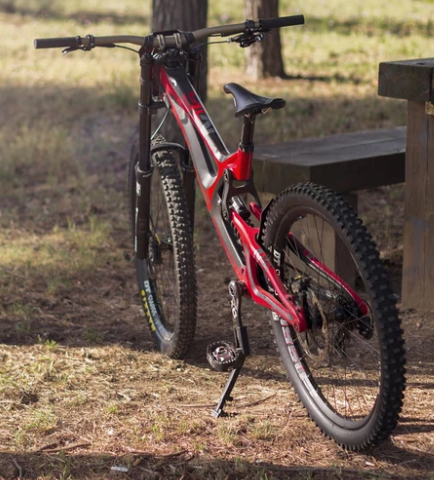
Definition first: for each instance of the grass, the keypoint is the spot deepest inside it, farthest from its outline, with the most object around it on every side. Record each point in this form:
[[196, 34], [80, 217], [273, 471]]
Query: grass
[[81, 390]]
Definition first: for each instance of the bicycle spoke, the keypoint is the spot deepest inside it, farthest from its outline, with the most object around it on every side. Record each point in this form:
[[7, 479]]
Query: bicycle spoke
[[337, 364]]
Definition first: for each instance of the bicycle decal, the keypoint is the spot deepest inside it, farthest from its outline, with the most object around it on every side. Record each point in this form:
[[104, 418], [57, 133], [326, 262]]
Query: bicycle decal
[[147, 310]]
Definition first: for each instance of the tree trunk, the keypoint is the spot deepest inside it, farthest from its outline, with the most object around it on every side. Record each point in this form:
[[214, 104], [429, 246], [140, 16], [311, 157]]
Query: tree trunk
[[186, 15], [264, 59]]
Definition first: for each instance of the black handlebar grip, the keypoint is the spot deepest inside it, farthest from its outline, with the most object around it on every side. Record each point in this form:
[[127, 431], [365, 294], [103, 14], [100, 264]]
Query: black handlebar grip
[[73, 42], [279, 22]]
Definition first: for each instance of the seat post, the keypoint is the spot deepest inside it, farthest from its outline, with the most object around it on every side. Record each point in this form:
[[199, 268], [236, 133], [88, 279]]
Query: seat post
[[246, 142]]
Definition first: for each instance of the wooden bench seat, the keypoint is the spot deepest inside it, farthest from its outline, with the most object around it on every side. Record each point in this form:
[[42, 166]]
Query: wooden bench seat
[[344, 163]]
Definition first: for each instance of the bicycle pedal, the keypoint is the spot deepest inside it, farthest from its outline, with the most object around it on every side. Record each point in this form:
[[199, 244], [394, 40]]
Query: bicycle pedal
[[223, 356]]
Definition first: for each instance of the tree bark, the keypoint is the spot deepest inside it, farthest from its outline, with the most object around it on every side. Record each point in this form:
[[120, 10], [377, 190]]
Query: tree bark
[[264, 59], [186, 15]]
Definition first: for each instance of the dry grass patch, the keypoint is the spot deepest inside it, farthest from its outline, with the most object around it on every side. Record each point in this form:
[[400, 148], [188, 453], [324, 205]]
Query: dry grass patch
[[84, 410], [81, 390]]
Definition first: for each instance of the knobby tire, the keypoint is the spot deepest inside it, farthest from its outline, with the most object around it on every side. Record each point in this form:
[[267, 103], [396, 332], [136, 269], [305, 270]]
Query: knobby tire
[[167, 279], [348, 368]]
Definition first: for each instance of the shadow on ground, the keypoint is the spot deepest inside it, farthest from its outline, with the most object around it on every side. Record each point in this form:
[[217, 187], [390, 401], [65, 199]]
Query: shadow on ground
[[188, 466]]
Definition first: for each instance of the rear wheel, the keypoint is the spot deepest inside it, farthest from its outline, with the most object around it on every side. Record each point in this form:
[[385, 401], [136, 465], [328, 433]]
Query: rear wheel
[[167, 278], [348, 367]]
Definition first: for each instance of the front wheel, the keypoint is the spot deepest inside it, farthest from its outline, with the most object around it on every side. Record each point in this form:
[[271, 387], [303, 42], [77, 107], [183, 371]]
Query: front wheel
[[167, 278], [348, 367]]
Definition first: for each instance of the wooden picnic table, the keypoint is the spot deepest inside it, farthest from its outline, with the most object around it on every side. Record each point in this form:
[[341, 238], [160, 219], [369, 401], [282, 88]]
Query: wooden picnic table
[[413, 80]]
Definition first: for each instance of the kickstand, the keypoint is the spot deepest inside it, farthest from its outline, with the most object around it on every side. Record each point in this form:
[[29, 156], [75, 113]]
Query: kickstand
[[226, 395], [236, 290]]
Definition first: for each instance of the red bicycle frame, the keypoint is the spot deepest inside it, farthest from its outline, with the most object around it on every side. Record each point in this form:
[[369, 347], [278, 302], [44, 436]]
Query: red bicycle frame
[[212, 162]]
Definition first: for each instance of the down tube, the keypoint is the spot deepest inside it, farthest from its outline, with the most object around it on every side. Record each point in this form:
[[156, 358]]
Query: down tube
[[205, 144], [209, 154]]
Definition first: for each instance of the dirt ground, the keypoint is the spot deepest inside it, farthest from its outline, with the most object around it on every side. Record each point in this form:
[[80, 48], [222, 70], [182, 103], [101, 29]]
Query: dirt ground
[[87, 360]]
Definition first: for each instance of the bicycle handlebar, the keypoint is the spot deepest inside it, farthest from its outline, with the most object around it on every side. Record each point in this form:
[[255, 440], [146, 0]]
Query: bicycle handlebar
[[86, 42], [279, 22], [171, 39], [73, 42]]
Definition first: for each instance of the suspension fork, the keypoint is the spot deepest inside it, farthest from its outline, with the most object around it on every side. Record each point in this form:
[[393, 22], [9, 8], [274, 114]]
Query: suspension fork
[[144, 166]]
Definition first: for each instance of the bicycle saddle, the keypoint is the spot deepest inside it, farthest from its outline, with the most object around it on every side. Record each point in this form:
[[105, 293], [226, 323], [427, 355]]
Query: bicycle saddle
[[249, 102]]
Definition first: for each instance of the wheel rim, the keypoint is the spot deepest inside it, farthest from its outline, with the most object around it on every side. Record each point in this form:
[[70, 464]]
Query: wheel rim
[[160, 268], [338, 364]]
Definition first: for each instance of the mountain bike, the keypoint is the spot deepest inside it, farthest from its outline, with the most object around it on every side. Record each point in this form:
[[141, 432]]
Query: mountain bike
[[305, 256]]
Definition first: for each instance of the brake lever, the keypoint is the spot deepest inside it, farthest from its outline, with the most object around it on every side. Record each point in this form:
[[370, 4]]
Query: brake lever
[[67, 50], [246, 39], [84, 49]]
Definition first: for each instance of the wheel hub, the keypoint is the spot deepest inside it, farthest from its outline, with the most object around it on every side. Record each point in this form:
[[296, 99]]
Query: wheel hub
[[315, 340]]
